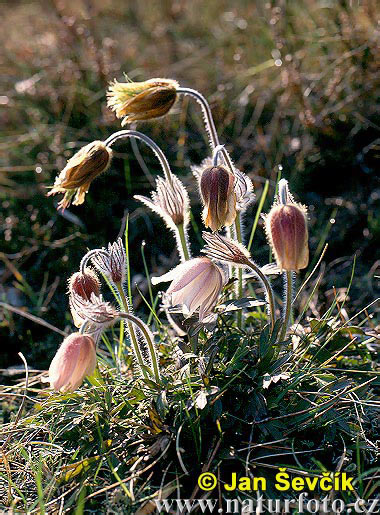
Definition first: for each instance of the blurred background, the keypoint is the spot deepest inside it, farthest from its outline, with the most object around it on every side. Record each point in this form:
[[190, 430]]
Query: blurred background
[[294, 87]]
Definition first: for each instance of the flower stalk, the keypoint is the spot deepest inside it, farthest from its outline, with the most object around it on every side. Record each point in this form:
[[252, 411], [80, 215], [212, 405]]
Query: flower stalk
[[268, 290], [207, 114], [149, 339], [128, 133], [131, 329]]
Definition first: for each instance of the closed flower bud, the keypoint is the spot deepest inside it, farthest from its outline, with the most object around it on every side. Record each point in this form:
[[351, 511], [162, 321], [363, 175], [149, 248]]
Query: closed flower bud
[[79, 172], [112, 262], [225, 250], [196, 284], [286, 228], [134, 101], [170, 201], [219, 198], [84, 284], [74, 360]]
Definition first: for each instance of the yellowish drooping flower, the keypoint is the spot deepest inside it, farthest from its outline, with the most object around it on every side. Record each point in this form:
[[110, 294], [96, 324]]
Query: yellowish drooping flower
[[218, 196], [75, 179], [74, 360], [134, 101]]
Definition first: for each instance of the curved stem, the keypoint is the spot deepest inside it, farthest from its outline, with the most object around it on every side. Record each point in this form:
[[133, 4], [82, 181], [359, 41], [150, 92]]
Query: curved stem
[[183, 241], [86, 258], [208, 119], [128, 133], [268, 289], [220, 149], [131, 330], [288, 307], [148, 336]]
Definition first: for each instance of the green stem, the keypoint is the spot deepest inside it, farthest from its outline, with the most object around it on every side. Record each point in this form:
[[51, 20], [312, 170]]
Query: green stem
[[183, 241], [146, 333], [240, 271], [131, 330], [288, 307], [268, 289]]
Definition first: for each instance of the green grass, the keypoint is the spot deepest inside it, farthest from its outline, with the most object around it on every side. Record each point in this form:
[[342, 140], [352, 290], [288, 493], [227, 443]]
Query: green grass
[[239, 401]]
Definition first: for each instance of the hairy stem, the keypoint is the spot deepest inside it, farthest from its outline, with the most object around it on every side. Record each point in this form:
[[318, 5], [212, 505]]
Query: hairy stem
[[128, 133], [268, 289], [240, 271], [86, 258], [131, 329], [288, 283], [149, 339], [208, 119], [183, 241]]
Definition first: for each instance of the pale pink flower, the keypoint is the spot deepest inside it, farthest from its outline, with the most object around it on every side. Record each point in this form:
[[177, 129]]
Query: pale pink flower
[[74, 360], [196, 284]]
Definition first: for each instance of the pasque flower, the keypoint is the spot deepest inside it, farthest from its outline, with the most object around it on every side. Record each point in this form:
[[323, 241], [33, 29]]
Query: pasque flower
[[112, 262], [218, 196], [75, 179], [286, 228], [84, 283], [135, 101], [196, 284], [243, 185], [170, 201], [74, 360], [225, 250]]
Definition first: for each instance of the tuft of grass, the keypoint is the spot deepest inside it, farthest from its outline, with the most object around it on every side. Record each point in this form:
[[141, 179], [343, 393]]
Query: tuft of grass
[[230, 401]]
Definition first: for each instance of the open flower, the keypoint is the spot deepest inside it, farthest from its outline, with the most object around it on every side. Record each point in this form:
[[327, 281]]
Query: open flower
[[218, 196], [135, 101], [75, 179], [196, 284], [170, 201], [74, 360], [286, 228]]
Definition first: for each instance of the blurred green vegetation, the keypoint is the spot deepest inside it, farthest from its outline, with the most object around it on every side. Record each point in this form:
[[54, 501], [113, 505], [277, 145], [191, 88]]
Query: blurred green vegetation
[[294, 86]]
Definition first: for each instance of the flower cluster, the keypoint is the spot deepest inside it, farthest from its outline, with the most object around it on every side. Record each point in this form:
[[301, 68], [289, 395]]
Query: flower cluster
[[198, 285]]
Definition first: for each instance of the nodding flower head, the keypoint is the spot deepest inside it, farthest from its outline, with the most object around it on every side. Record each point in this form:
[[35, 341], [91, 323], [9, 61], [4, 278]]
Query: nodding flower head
[[112, 262], [170, 201], [225, 250], [286, 228], [196, 284], [134, 101], [218, 196], [97, 313], [243, 185], [84, 284], [74, 360], [75, 179]]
